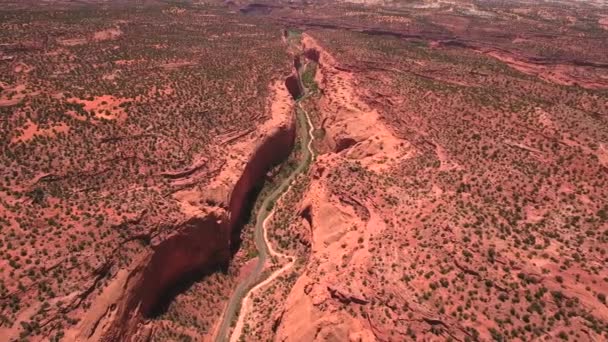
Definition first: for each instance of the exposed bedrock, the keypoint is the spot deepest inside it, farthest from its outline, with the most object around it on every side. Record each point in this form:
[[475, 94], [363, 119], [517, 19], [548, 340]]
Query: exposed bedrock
[[344, 143], [272, 151], [200, 245]]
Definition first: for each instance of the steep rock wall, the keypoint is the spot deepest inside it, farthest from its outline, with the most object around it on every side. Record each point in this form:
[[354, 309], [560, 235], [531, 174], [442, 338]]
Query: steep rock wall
[[275, 148], [202, 243], [294, 85]]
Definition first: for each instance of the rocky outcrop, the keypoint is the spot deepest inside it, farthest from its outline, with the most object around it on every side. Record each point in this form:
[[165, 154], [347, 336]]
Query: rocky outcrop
[[202, 243], [320, 305], [345, 297], [274, 149]]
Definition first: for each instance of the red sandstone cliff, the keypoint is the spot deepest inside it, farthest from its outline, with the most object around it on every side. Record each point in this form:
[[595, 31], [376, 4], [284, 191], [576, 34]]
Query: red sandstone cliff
[[202, 242]]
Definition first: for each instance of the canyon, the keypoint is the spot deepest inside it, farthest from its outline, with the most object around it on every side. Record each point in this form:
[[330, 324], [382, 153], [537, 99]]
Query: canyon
[[204, 242], [303, 171]]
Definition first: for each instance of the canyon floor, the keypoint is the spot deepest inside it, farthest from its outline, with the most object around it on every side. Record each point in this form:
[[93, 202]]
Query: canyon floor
[[303, 171]]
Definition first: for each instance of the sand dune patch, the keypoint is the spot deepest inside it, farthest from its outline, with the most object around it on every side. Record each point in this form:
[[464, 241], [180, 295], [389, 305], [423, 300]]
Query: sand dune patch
[[176, 65], [104, 107], [72, 41], [12, 95], [99, 36], [109, 34], [30, 130], [603, 23]]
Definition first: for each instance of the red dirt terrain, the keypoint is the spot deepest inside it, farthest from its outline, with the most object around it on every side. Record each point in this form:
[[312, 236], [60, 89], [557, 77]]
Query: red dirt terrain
[[459, 189], [131, 147]]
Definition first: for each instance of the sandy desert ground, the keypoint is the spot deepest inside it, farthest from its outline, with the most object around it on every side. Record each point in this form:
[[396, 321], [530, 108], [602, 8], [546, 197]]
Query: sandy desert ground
[[458, 189]]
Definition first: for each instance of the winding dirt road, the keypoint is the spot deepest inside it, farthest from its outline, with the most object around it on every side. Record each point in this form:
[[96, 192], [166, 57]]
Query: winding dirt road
[[245, 290]]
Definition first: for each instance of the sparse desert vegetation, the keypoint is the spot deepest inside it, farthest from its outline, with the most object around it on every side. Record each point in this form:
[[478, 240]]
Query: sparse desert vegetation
[[109, 114], [459, 191], [462, 192]]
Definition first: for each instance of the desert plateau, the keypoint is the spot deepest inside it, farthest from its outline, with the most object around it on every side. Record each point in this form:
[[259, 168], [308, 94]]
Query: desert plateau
[[319, 170]]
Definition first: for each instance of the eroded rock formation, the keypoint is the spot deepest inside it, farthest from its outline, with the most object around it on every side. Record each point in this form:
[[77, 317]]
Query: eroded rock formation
[[202, 242]]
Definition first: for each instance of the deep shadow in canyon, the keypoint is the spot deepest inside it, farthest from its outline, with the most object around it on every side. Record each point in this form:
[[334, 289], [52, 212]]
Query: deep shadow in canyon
[[166, 298], [247, 216], [205, 243], [294, 86], [189, 279]]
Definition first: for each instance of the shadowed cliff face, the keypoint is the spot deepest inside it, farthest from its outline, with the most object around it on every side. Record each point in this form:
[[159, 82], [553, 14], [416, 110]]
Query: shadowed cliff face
[[273, 151], [200, 245], [312, 54], [294, 86], [205, 244], [257, 9], [344, 143]]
